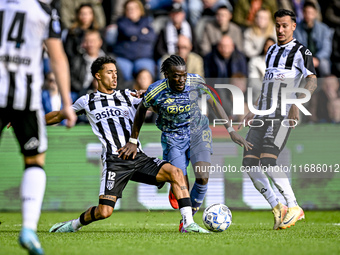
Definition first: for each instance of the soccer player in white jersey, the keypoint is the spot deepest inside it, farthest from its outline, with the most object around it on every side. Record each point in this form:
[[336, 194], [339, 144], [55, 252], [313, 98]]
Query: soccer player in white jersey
[[287, 62], [25, 25], [110, 113]]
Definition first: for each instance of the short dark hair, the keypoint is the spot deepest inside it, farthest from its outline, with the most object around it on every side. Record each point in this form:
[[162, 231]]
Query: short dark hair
[[99, 62], [283, 12], [309, 4], [224, 6], [173, 60]]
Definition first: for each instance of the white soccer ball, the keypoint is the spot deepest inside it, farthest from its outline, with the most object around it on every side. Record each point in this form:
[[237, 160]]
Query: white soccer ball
[[217, 217]]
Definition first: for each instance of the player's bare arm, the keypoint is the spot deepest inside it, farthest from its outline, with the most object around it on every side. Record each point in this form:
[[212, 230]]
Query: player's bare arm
[[61, 70], [311, 85], [220, 113], [55, 117], [130, 148]]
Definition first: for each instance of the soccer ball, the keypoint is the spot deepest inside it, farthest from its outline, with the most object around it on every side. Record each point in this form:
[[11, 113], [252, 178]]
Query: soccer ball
[[217, 217]]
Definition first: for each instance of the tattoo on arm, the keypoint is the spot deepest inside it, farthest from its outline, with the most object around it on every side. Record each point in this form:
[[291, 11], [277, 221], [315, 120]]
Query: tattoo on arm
[[183, 187], [311, 84]]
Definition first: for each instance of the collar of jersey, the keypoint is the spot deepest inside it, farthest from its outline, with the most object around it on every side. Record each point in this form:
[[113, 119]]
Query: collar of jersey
[[286, 45], [105, 94]]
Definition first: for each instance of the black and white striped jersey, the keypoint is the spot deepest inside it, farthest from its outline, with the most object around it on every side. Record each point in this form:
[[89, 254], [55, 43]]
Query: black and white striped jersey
[[24, 25], [111, 117], [286, 65]]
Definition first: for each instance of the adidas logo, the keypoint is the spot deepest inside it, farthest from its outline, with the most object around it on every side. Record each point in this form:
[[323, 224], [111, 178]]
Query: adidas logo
[[308, 53], [169, 101], [32, 144]]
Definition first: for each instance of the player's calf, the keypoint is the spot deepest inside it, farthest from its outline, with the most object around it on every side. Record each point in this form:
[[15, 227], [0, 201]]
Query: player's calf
[[95, 213]]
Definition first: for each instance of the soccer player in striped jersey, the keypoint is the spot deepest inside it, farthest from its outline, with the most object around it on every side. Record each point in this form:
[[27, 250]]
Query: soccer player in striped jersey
[[287, 63], [185, 130], [110, 113], [24, 26]]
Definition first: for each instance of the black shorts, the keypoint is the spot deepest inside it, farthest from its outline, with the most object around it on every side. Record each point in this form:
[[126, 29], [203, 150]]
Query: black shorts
[[29, 128], [270, 138], [118, 172]]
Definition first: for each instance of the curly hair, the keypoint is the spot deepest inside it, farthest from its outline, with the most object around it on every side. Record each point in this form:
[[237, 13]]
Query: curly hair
[[99, 62]]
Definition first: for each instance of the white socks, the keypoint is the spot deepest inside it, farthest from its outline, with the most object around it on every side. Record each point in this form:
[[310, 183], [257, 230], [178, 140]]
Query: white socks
[[262, 184], [281, 182], [76, 224], [32, 193], [186, 213]]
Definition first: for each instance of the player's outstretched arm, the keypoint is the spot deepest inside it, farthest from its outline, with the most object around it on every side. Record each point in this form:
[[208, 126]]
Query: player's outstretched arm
[[311, 85], [220, 113], [54, 117], [60, 67], [130, 148]]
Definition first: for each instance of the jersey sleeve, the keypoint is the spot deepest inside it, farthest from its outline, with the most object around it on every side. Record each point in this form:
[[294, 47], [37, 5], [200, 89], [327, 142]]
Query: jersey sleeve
[[148, 99], [134, 100], [305, 62], [79, 105], [200, 86], [54, 28]]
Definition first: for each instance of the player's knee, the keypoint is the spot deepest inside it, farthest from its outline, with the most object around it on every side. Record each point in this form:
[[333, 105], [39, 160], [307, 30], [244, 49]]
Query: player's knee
[[202, 181], [268, 161], [250, 162], [104, 211], [37, 160], [176, 174]]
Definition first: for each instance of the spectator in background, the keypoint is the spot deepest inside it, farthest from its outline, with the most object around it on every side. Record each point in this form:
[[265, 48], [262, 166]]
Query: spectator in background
[[325, 104], [192, 8], [81, 78], [211, 6], [143, 79], [257, 69], [332, 18], [224, 60], [194, 62], [245, 10], [134, 46], [50, 96], [51, 99], [317, 37], [214, 30], [69, 7], [164, 5], [168, 37], [85, 19], [297, 7], [255, 36]]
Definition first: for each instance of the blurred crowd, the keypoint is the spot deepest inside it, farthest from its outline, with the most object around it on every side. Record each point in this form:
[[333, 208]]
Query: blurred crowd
[[225, 39]]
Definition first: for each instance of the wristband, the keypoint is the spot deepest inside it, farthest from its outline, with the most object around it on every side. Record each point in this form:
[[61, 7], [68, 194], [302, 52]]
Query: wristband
[[133, 140], [230, 129]]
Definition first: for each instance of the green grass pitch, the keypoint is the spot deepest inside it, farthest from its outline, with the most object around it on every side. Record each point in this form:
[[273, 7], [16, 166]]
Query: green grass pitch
[[156, 232]]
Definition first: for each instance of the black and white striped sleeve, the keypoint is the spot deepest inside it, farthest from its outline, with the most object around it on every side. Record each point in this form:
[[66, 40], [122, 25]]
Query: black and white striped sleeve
[[305, 62], [79, 105]]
